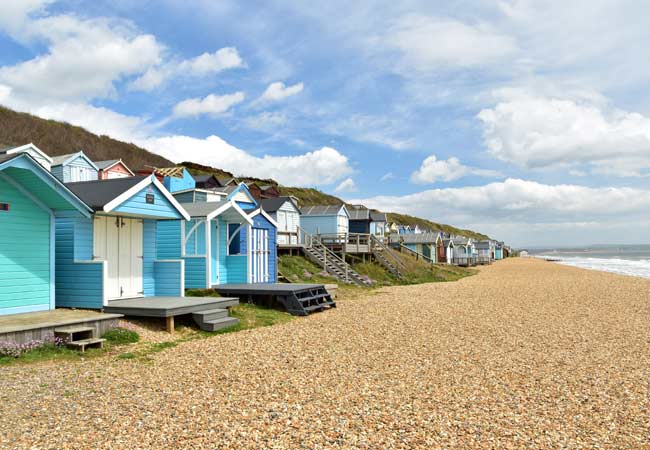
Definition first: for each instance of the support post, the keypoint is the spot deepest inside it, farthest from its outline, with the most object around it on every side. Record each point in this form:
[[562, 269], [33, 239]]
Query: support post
[[170, 324]]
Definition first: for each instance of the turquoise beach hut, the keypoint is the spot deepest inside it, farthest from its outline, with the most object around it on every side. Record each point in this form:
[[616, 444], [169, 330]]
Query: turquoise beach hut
[[31, 199], [115, 253]]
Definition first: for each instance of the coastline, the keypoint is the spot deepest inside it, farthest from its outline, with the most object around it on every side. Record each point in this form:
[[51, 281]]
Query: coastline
[[619, 266]]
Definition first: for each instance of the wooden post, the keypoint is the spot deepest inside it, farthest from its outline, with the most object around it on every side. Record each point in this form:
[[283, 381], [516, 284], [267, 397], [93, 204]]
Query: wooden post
[[170, 324]]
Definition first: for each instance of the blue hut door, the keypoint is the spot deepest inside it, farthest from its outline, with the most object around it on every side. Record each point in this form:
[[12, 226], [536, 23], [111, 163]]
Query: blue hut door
[[260, 255]]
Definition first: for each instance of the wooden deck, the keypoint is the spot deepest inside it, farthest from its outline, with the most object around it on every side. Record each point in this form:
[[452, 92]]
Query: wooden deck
[[22, 328], [167, 306]]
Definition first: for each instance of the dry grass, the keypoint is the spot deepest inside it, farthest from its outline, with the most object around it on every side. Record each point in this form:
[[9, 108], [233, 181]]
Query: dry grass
[[526, 354]]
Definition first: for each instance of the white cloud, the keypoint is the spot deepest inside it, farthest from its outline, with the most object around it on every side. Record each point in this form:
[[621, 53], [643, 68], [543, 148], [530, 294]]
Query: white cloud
[[537, 209], [205, 64], [320, 167], [84, 58], [212, 105], [278, 91], [347, 185], [387, 176], [538, 132], [266, 120], [433, 170], [432, 43]]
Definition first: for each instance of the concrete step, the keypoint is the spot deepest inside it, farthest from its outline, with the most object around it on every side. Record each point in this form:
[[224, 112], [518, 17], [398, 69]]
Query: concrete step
[[219, 324], [210, 314]]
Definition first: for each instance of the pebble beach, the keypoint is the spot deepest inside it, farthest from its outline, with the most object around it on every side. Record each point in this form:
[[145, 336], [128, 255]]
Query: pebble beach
[[525, 354]]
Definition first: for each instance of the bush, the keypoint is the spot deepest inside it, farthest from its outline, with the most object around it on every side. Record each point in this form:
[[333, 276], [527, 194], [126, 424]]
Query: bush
[[13, 350], [120, 336]]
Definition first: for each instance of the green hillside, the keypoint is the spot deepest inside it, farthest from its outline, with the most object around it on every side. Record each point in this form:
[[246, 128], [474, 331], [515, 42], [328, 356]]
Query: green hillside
[[59, 138]]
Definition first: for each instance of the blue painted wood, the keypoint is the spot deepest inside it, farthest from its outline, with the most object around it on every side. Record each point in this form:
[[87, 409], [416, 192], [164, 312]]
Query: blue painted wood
[[168, 239], [319, 224], [78, 285], [24, 253], [359, 226], [64, 171], [246, 206], [83, 239], [174, 184], [195, 273], [137, 205], [148, 257], [185, 197], [168, 278]]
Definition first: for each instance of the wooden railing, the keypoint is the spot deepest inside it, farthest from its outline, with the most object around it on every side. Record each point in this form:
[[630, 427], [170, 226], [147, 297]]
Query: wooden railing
[[291, 238], [464, 260], [377, 245], [346, 242]]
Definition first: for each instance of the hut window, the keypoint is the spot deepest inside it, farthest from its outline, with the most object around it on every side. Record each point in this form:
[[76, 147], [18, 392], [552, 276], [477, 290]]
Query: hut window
[[234, 239], [4, 206]]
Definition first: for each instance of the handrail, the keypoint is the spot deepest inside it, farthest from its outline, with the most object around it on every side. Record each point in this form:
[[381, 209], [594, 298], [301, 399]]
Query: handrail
[[417, 255], [309, 242], [386, 250]]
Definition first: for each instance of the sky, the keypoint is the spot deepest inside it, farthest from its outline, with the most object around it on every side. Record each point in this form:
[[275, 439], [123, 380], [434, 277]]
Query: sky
[[525, 120]]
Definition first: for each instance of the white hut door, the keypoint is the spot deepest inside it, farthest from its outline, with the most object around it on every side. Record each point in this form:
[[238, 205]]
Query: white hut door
[[260, 253], [119, 241]]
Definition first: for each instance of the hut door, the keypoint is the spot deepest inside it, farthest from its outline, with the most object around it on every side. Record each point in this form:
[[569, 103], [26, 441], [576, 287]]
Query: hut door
[[119, 241], [260, 255]]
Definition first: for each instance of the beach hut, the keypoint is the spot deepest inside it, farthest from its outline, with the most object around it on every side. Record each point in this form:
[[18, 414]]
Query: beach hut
[[378, 223], [174, 179], [263, 252], [448, 244], [325, 219], [39, 155], [113, 168], [359, 221], [30, 200], [116, 253], [211, 248], [498, 251], [286, 214], [195, 195], [74, 167], [206, 182]]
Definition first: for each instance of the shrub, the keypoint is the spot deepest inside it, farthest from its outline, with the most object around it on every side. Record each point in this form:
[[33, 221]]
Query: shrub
[[13, 350], [120, 336]]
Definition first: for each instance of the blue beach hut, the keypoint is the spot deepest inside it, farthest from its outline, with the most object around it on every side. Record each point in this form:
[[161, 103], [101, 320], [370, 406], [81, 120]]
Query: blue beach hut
[[31, 199], [115, 254], [74, 167]]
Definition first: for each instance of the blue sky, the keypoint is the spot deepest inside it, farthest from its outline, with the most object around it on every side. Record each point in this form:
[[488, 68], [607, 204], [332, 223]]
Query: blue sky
[[529, 121]]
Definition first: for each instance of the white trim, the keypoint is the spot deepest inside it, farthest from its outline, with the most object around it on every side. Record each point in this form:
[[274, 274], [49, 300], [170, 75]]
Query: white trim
[[183, 240], [52, 265], [182, 278], [225, 207], [265, 214], [208, 251], [217, 260], [22, 148], [249, 269], [187, 236], [207, 191], [124, 196]]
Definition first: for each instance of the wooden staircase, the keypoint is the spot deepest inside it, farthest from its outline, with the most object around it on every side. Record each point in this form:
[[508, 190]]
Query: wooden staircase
[[333, 264], [214, 319], [305, 302], [384, 256]]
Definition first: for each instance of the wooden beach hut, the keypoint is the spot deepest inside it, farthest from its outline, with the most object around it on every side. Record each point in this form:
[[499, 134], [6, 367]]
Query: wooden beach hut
[[74, 167], [113, 168], [117, 253], [325, 219], [39, 155], [31, 199], [286, 214]]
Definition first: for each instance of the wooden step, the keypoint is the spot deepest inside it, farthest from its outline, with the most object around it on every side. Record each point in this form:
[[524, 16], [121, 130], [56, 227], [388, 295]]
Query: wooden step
[[219, 324], [74, 333], [83, 344], [210, 314]]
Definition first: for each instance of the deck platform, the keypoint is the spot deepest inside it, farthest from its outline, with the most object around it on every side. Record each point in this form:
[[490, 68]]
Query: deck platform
[[26, 327], [170, 307], [167, 306], [297, 299]]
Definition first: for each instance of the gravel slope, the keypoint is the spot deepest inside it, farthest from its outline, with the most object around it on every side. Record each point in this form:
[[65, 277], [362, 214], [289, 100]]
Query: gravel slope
[[527, 354]]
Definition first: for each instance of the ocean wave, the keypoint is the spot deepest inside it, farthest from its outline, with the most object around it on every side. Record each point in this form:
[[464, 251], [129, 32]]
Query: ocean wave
[[638, 268]]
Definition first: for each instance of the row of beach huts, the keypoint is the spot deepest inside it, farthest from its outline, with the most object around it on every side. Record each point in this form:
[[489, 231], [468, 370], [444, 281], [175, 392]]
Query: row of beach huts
[[77, 233]]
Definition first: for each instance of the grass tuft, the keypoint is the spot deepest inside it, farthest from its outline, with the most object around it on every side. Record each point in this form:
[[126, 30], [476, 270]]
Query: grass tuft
[[121, 336]]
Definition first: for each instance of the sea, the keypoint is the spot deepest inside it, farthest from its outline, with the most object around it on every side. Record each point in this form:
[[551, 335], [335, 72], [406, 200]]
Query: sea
[[623, 259]]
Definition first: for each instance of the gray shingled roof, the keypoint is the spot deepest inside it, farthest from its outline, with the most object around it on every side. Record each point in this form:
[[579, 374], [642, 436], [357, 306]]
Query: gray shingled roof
[[101, 165], [482, 244], [377, 216], [271, 205], [420, 238], [98, 193], [57, 160], [320, 210], [201, 209], [359, 213]]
